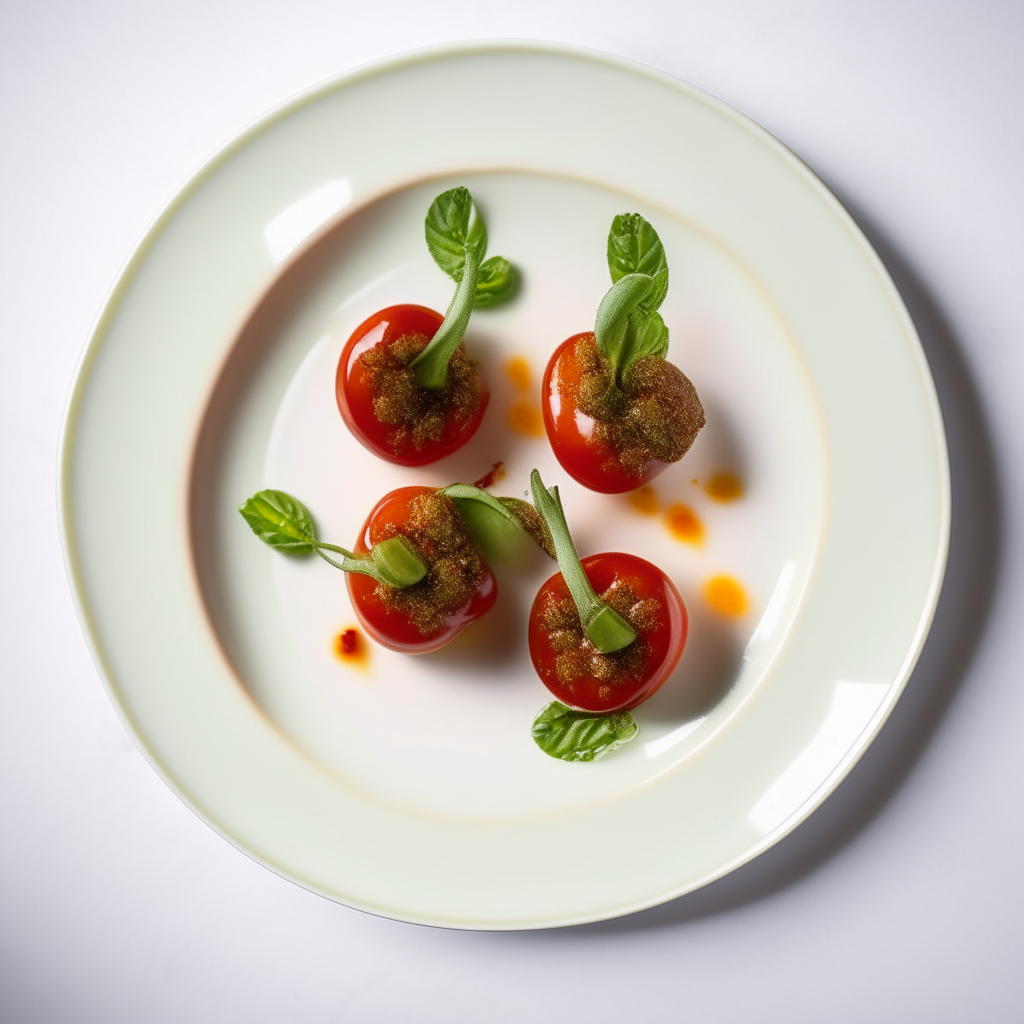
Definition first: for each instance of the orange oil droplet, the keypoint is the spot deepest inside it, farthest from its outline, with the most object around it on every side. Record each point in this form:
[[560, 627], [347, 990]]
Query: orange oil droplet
[[645, 500], [683, 524], [350, 647], [724, 487], [726, 596], [526, 419], [517, 370]]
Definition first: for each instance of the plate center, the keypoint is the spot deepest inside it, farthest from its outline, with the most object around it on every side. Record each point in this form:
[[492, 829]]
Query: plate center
[[448, 734]]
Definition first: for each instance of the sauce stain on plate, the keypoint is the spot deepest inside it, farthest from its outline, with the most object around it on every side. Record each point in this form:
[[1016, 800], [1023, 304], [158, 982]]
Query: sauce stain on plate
[[684, 524], [492, 476], [724, 487], [645, 500], [524, 417], [517, 370], [352, 648], [726, 596]]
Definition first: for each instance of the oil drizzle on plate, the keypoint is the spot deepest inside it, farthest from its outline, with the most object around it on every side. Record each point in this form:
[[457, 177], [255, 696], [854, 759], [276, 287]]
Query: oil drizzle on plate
[[351, 648], [524, 417], [645, 500], [517, 369], [724, 487], [684, 524], [726, 596]]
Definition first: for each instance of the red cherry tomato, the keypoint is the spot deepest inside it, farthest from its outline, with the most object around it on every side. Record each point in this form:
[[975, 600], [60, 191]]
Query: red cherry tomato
[[388, 626], [575, 437], [354, 388], [573, 434], [629, 676]]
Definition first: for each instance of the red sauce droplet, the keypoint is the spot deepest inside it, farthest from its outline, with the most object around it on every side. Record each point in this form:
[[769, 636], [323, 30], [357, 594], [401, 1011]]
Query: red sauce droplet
[[351, 647], [492, 476], [683, 524], [724, 487]]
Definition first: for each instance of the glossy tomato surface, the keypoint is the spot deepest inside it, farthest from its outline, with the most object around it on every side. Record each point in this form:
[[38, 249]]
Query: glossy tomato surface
[[354, 391], [664, 639], [387, 626], [573, 434]]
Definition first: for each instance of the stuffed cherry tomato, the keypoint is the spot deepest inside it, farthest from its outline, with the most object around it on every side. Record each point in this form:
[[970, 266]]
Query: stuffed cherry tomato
[[615, 410], [384, 406], [458, 586], [405, 387], [569, 664], [418, 573], [604, 633]]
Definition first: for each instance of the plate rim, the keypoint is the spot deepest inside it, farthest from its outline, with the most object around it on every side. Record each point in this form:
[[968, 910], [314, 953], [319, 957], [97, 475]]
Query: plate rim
[[383, 66]]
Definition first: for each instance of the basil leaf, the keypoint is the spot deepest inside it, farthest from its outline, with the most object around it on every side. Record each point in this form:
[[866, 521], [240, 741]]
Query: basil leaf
[[495, 528], [452, 223], [613, 315], [634, 248], [646, 335], [578, 736], [281, 521], [532, 522], [497, 283]]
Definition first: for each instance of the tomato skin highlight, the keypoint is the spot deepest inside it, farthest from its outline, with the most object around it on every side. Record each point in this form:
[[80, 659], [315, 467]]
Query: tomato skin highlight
[[354, 392], [665, 638], [389, 627], [571, 432]]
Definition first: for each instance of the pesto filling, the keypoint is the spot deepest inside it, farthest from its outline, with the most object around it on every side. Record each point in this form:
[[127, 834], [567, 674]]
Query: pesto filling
[[652, 414], [417, 414], [436, 531], [577, 658]]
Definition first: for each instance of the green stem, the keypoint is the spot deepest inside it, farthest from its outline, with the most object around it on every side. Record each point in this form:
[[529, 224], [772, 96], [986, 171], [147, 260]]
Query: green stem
[[431, 365], [606, 629], [392, 562]]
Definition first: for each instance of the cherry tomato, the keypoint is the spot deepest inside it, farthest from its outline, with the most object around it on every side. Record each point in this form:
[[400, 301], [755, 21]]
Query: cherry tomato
[[424, 425], [390, 626], [575, 436], [569, 665]]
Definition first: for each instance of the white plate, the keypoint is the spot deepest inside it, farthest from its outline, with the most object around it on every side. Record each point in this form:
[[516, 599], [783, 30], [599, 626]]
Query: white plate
[[412, 788]]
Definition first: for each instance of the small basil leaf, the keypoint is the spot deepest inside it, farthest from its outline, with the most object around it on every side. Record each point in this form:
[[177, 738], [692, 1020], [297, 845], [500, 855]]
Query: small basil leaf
[[281, 521], [612, 320], [495, 528], [634, 248], [396, 563], [497, 283], [532, 522], [646, 335], [578, 736], [452, 223]]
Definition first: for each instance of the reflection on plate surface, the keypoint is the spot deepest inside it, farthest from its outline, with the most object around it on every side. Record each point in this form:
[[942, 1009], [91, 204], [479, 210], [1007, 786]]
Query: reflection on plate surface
[[292, 226]]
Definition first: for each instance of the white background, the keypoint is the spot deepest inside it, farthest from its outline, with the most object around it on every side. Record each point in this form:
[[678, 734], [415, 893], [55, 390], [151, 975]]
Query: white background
[[900, 900]]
